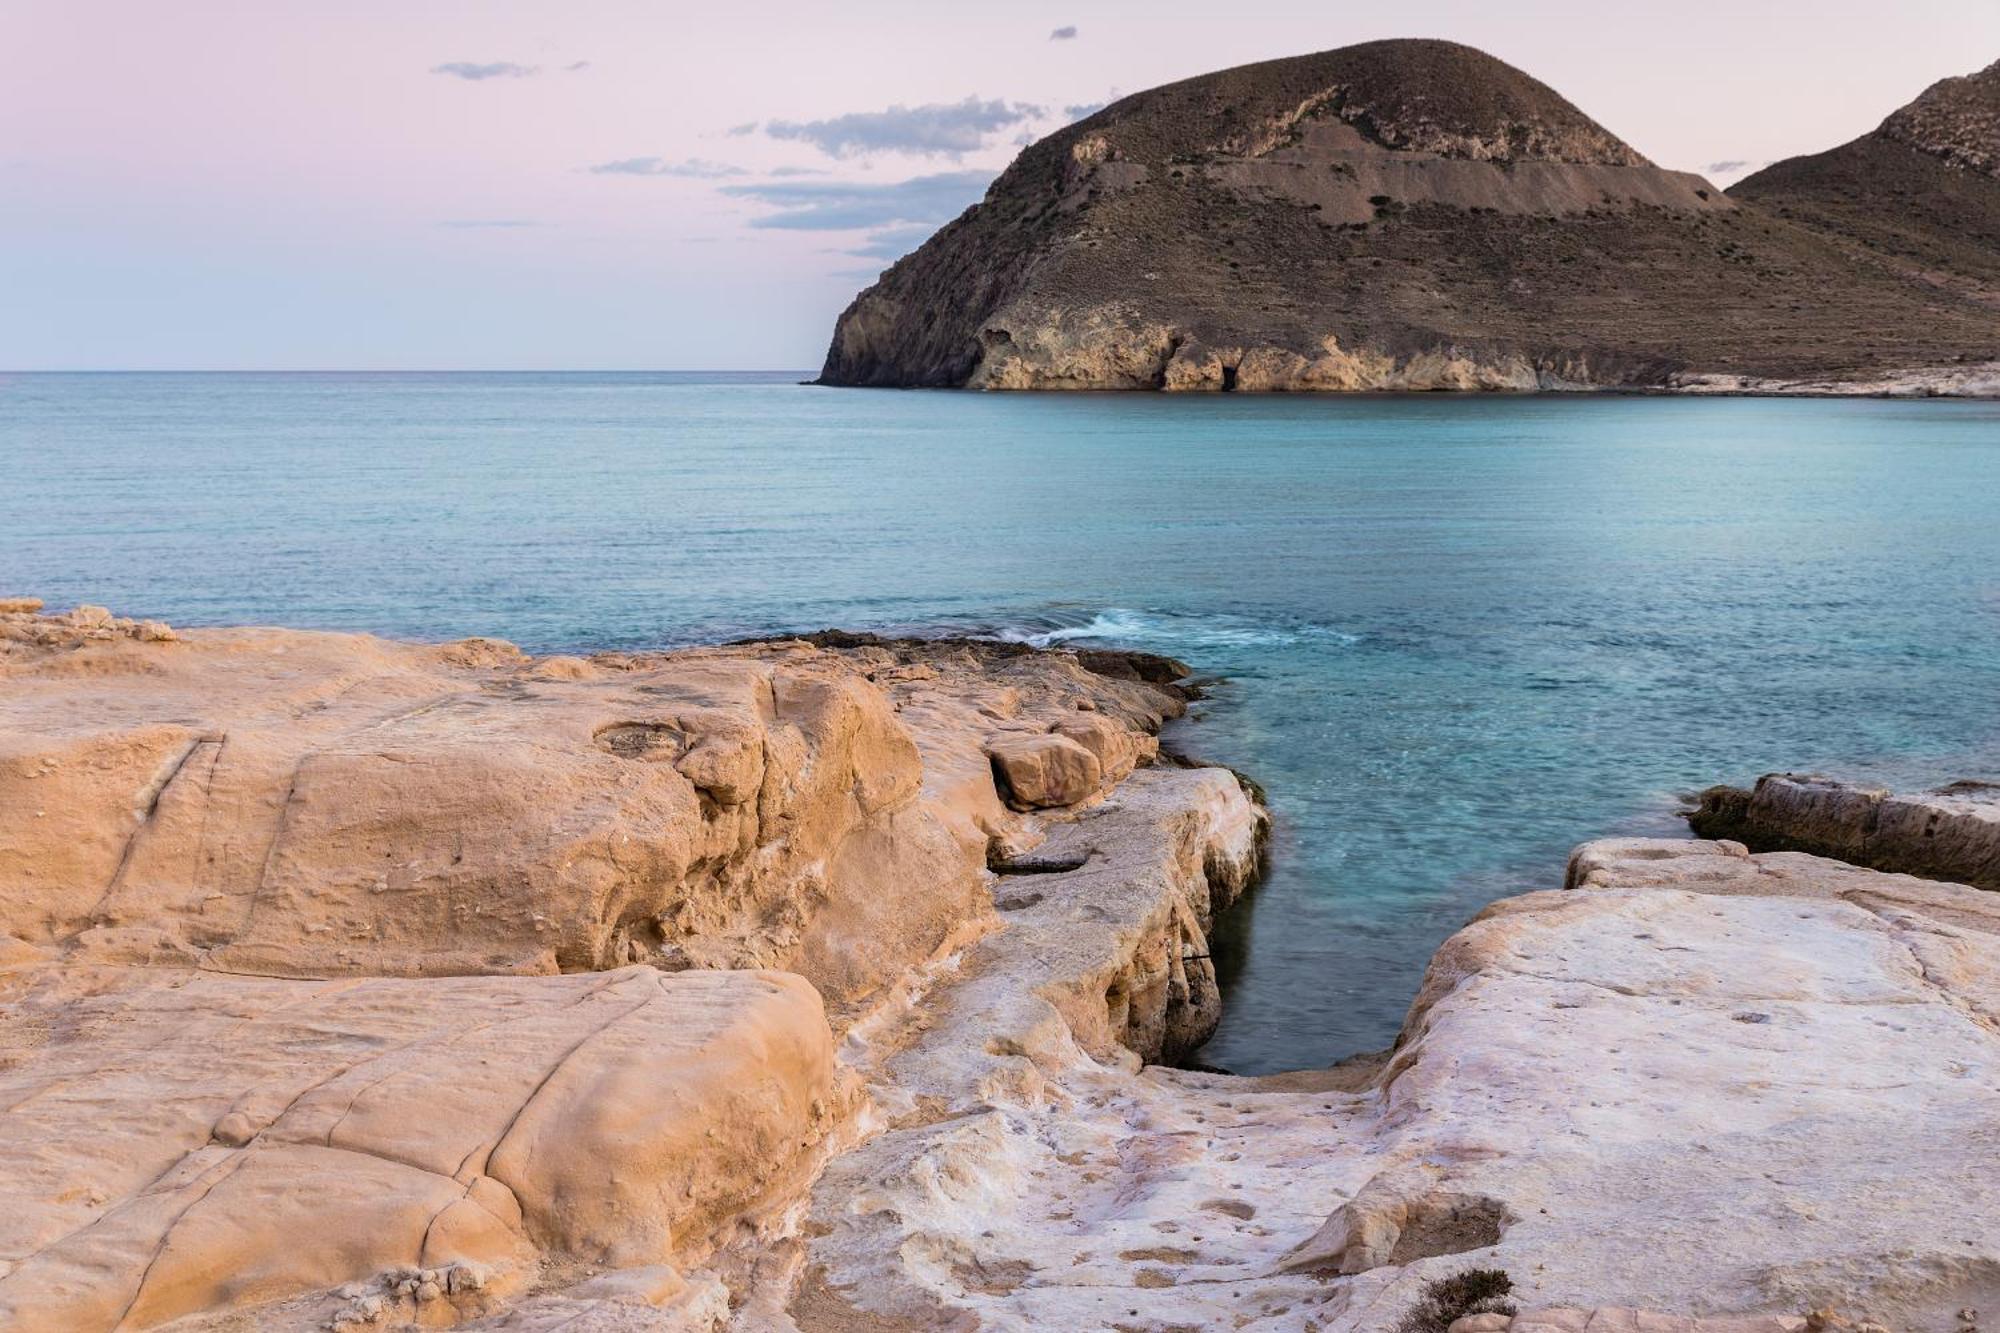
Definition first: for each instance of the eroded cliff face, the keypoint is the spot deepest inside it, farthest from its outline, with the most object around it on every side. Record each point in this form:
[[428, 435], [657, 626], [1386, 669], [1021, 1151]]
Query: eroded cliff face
[[1407, 215]]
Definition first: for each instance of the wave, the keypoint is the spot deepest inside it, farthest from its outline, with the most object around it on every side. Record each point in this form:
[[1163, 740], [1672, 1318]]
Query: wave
[[1120, 625]]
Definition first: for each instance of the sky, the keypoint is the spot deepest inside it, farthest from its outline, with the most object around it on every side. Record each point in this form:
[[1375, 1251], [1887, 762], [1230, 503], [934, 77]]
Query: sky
[[618, 184]]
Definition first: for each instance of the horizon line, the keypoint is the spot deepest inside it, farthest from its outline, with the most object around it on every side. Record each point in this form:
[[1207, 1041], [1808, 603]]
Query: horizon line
[[409, 370]]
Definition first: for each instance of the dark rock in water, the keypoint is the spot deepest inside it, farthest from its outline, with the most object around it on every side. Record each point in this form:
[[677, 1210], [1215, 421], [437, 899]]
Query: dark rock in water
[[1952, 833], [1403, 214]]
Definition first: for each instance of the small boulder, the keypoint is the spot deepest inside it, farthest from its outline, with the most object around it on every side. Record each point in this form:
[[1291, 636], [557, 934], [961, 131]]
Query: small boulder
[[19, 606], [89, 617], [1037, 772]]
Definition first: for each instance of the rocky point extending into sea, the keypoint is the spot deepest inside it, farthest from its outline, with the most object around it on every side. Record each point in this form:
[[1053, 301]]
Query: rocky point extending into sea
[[838, 983]]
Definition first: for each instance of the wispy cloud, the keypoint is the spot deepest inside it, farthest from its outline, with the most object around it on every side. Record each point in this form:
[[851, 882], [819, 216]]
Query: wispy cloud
[[694, 168], [1724, 168], [892, 243], [576, 66], [936, 129], [1066, 33], [828, 205], [738, 131], [482, 224], [498, 69], [1083, 109]]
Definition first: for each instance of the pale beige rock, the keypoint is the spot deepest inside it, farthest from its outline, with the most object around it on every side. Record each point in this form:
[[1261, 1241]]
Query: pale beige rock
[[1037, 772], [176, 1143], [1677, 1097], [1952, 833], [320, 805], [328, 1146]]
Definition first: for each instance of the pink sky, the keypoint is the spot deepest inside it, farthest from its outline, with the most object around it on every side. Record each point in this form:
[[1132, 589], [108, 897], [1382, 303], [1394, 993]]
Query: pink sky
[[289, 184]]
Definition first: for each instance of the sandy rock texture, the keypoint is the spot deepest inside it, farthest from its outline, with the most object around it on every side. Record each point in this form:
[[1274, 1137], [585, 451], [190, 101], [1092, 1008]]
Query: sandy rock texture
[[1952, 833], [837, 983], [1675, 1095], [179, 1141], [348, 983]]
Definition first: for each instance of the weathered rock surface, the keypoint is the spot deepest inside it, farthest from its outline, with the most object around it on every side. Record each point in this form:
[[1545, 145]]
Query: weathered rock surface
[[285, 918], [1417, 215], [320, 805], [1681, 1089], [1952, 833], [177, 1142], [1678, 1093]]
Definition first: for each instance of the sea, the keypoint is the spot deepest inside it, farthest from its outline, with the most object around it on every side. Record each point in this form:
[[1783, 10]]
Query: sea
[[1451, 636]]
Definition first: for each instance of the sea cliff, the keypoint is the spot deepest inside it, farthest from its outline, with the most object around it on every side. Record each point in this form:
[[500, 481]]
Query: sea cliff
[[843, 983]]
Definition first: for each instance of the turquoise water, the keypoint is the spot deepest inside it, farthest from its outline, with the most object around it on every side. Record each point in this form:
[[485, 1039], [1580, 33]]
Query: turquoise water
[[1452, 636]]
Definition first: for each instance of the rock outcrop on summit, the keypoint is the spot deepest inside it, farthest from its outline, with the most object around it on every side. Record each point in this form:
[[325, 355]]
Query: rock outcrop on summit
[[1419, 215]]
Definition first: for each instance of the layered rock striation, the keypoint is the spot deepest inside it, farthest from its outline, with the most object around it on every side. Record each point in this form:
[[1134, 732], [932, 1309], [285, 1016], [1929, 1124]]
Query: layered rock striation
[[1419, 215], [1952, 833]]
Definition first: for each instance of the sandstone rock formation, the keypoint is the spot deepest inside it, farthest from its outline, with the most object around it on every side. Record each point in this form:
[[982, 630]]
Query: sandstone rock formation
[[1676, 1095], [1952, 833], [1418, 215], [821, 1032], [370, 983]]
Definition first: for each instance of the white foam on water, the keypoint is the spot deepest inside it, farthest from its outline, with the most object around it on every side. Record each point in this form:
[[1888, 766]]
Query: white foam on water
[[1120, 625]]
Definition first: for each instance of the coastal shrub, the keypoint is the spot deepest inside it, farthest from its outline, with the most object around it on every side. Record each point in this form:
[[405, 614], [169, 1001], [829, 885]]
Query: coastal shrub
[[1475, 1291]]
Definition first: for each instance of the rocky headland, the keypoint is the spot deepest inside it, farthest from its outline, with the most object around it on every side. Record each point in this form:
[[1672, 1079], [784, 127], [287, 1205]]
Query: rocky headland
[[840, 983], [1416, 215]]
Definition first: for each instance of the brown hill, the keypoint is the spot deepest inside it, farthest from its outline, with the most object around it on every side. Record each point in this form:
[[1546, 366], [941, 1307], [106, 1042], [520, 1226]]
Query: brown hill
[[1921, 192], [1404, 214]]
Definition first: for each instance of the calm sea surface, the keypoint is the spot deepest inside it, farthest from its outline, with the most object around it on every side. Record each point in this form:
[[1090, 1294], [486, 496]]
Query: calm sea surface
[[1453, 636]]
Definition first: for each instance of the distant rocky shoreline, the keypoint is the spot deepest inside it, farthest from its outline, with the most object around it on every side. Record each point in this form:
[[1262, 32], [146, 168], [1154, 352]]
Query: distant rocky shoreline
[[838, 983], [1418, 216]]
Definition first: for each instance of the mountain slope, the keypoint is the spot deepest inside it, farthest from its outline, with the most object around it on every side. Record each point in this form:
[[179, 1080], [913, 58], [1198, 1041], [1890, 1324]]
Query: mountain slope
[[1404, 214], [1921, 192]]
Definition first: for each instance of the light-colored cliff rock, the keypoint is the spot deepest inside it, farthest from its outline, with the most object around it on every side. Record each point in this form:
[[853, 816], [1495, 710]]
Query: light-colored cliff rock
[[1682, 1088], [360, 983], [1952, 833]]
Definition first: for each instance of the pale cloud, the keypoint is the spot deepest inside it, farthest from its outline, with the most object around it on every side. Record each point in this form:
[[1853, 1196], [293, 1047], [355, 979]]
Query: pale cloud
[[498, 69], [892, 243], [831, 205], [1066, 33], [937, 129], [1082, 109], [693, 168], [483, 224]]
